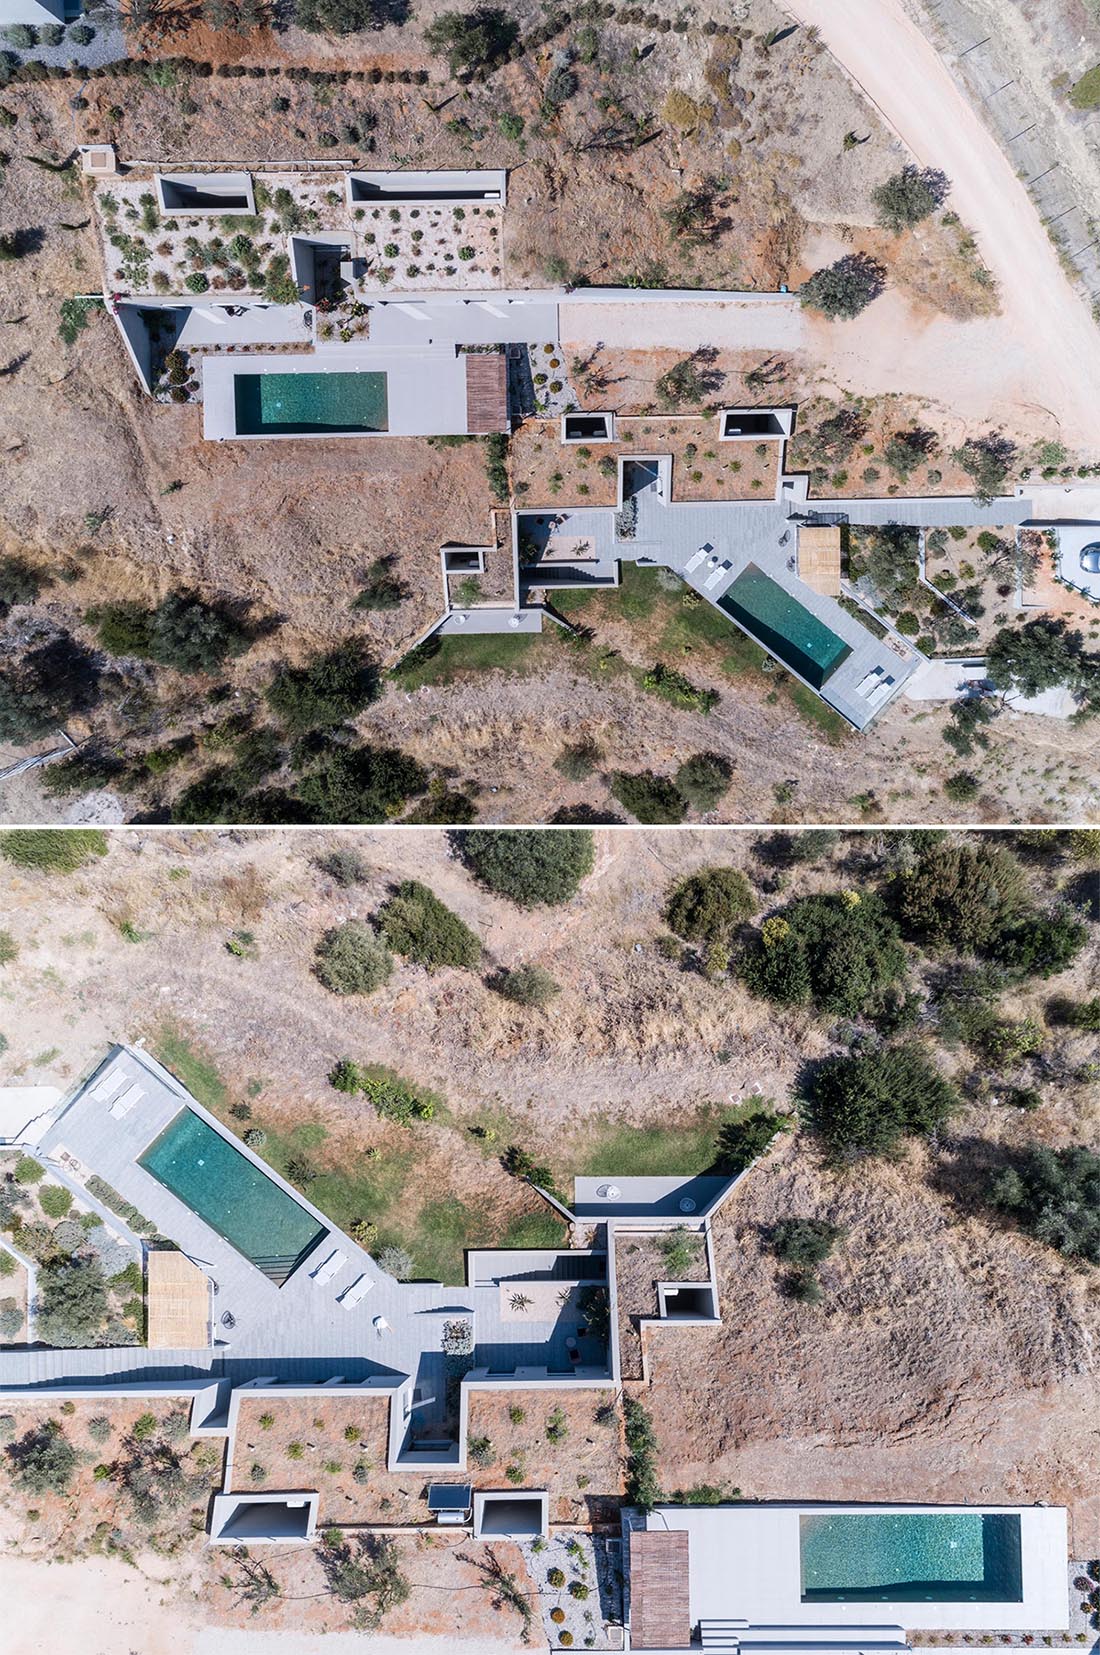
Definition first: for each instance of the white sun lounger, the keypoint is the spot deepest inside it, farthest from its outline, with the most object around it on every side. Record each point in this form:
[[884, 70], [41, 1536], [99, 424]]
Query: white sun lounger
[[718, 576], [869, 682], [124, 1104], [359, 1289], [694, 562], [104, 1090], [880, 692], [325, 1272]]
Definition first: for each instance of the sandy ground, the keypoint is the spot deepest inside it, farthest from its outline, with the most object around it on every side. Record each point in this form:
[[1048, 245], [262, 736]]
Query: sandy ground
[[102, 1607], [1044, 341]]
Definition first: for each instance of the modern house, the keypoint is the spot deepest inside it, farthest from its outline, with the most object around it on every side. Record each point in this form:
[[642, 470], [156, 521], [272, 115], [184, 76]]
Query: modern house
[[779, 1578], [326, 303], [269, 1301]]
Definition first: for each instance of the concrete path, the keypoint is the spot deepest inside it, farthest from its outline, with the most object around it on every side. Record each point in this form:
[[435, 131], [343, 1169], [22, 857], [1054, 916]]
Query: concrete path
[[1057, 355]]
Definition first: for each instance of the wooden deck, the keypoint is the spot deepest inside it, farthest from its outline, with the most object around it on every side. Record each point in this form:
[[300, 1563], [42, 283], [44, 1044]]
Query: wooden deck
[[659, 1614], [177, 1303], [486, 392]]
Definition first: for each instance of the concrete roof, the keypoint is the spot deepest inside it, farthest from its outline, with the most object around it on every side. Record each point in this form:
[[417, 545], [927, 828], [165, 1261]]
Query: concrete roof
[[745, 1563], [648, 1197]]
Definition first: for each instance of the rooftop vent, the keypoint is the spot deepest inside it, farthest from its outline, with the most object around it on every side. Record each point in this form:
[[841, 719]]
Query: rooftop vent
[[608, 1192], [687, 1205]]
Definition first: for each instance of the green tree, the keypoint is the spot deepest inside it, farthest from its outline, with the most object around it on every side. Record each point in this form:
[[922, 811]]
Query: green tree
[[472, 42], [1041, 945], [960, 894], [988, 460], [651, 799], [707, 906], [381, 588], [742, 1142], [1042, 655], [843, 289], [348, 16], [52, 850], [20, 582], [362, 784], [840, 951], [908, 196], [530, 866], [194, 636], [330, 689], [868, 1102], [73, 1302], [353, 959], [416, 924]]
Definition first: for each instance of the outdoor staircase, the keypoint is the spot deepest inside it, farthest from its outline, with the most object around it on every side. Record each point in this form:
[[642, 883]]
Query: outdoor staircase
[[739, 1636]]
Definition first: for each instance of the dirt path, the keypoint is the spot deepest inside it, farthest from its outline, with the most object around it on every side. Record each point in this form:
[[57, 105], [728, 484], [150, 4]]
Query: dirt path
[[1052, 345]]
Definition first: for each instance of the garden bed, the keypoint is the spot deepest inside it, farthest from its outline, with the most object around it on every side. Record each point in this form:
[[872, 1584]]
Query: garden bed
[[641, 1261], [546, 471]]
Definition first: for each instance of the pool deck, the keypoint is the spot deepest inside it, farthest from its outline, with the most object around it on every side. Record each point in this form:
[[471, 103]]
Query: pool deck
[[298, 1331]]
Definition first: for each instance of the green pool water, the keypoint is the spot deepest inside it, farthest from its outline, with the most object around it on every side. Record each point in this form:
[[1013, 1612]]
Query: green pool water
[[236, 1198], [784, 626], [911, 1557], [292, 405]]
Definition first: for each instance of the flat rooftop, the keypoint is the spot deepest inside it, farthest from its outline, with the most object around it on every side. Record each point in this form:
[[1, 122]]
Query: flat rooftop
[[757, 1562]]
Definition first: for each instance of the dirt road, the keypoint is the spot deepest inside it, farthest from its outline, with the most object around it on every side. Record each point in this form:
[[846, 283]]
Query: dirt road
[[1054, 344]]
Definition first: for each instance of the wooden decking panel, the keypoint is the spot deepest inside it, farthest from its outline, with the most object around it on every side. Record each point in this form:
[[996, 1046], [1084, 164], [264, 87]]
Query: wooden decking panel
[[660, 1617], [819, 557], [177, 1303], [486, 392]]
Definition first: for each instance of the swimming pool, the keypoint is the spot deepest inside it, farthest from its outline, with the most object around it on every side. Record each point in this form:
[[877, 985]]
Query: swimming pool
[[295, 405], [233, 1195], [784, 626], [911, 1557]]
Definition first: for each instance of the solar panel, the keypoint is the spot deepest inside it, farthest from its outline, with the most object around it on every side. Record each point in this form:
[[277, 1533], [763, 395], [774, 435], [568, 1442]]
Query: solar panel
[[450, 1496]]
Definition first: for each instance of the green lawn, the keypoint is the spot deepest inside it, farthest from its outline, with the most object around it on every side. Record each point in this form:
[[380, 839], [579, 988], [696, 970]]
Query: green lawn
[[612, 1148], [477, 653], [190, 1065]]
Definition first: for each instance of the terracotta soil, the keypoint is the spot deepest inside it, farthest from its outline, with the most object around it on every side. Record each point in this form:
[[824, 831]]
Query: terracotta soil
[[546, 472]]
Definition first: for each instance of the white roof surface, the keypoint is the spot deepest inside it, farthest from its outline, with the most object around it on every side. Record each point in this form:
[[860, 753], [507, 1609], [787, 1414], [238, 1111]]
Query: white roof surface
[[25, 1112], [745, 1563]]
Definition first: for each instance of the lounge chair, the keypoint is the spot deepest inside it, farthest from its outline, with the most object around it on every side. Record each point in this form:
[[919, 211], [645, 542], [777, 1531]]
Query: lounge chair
[[359, 1289], [693, 562], [111, 1084], [123, 1105], [718, 576], [325, 1272]]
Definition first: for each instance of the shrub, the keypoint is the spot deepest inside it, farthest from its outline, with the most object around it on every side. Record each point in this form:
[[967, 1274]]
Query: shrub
[[577, 762], [392, 1097], [866, 1103], [1039, 656], [651, 799], [742, 1142], [961, 894], [642, 1486], [837, 951], [347, 16], [529, 866], [988, 460], [703, 780], [416, 924], [28, 1171], [707, 906], [845, 288], [365, 784], [1040, 945], [99, 1428], [962, 787], [804, 1241], [909, 196], [1055, 1196], [396, 1262], [196, 281], [330, 689], [255, 1137], [81, 34], [52, 850], [346, 867], [457, 1338], [43, 1460], [353, 959], [686, 382], [381, 588], [527, 985], [20, 582], [802, 1285], [55, 1200]]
